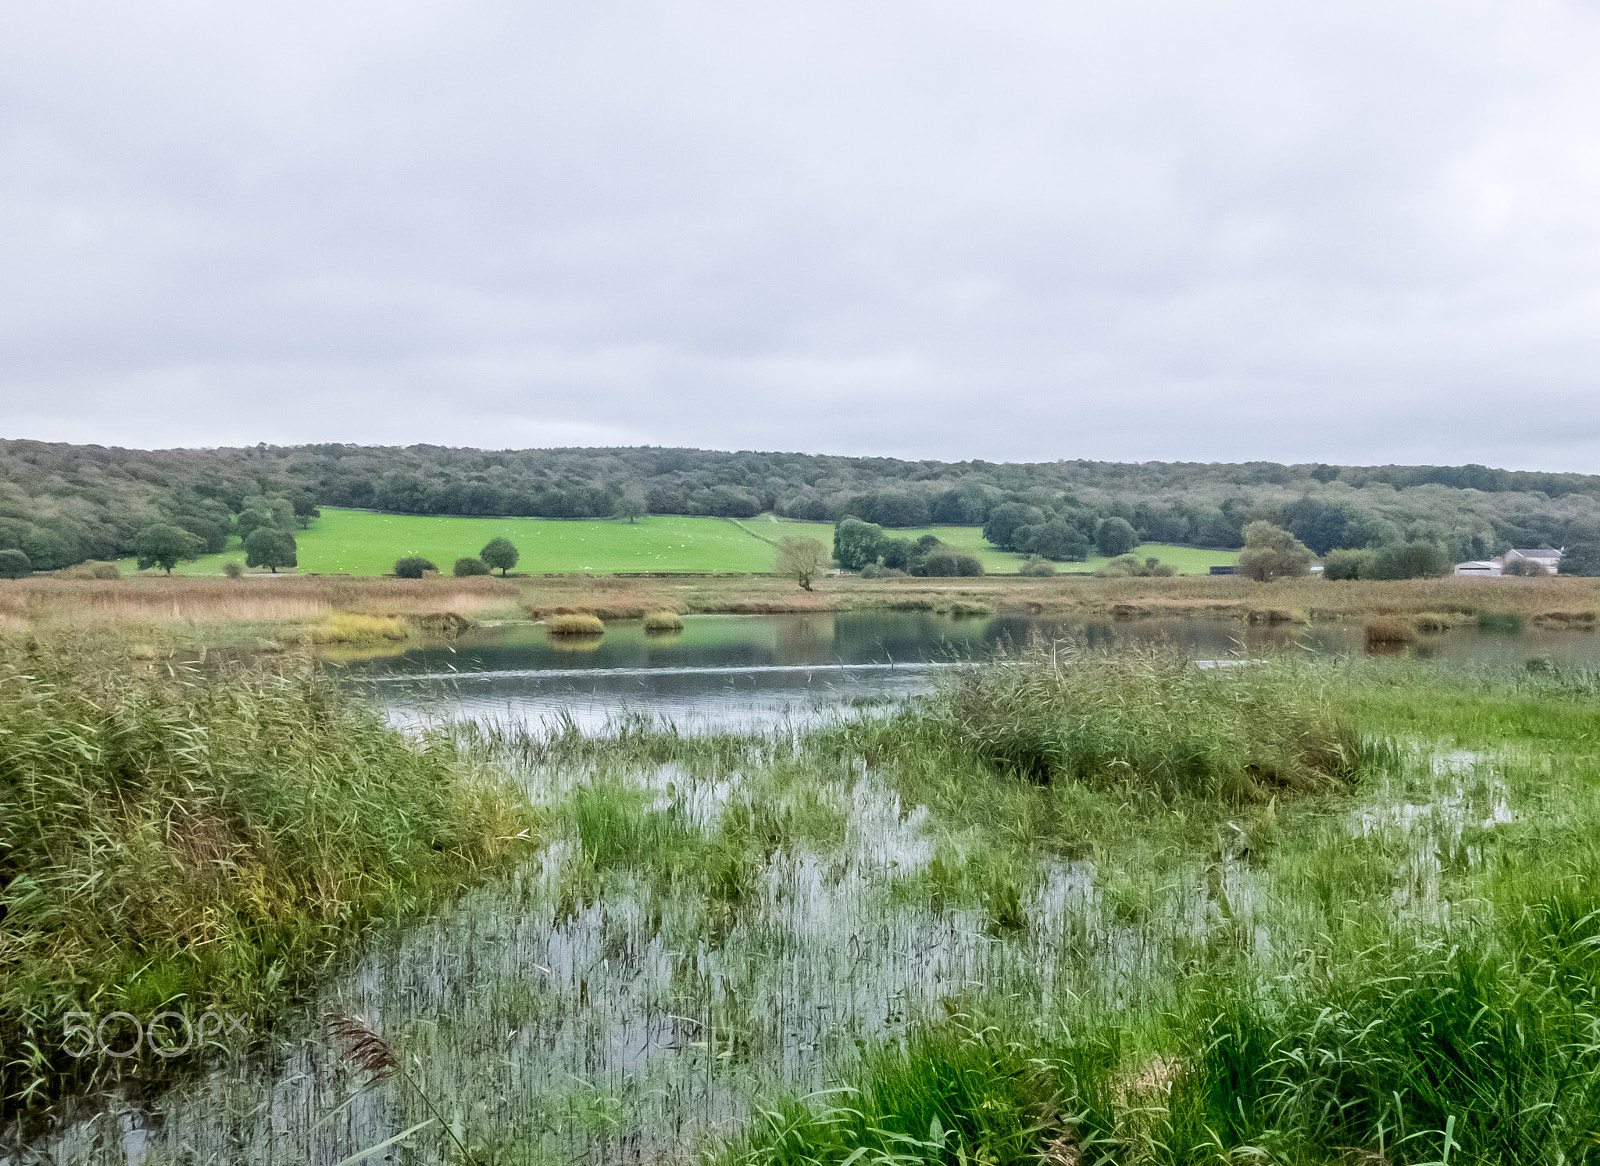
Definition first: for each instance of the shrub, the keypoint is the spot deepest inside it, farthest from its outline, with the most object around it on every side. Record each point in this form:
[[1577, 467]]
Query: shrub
[[500, 553], [1127, 566], [1522, 567], [946, 562], [1347, 565], [574, 624], [412, 567], [1037, 568], [1270, 552], [855, 543], [663, 621], [875, 571], [89, 570], [1056, 539], [232, 569], [895, 552], [1415, 560], [469, 566], [1006, 519], [1581, 559], [14, 565], [1115, 536]]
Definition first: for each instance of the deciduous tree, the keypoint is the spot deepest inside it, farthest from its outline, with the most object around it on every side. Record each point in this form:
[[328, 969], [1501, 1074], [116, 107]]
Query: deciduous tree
[[270, 548], [801, 559], [164, 545], [500, 553]]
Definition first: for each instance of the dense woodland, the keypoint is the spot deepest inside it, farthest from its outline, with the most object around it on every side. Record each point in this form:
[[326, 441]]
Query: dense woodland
[[62, 504]]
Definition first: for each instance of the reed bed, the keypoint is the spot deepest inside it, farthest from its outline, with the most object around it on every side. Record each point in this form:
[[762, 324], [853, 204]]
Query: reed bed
[[109, 605], [177, 839]]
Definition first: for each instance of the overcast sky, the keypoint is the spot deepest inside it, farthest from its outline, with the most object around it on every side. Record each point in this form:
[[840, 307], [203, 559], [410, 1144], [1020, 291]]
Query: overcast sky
[[1355, 232]]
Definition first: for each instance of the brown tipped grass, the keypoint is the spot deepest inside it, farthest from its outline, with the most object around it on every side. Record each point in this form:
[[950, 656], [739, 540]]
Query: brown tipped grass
[[574, 624], [198, 601], [347, 628], [1390, 632], [1438, 621], [663, 621]]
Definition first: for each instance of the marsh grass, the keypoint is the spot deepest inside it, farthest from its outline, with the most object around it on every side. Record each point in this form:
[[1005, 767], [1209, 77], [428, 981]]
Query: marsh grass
[[1383, 633], [348, 628], [574, 624], [176, 839], [883, 940], [1151, 722], [663, 621]]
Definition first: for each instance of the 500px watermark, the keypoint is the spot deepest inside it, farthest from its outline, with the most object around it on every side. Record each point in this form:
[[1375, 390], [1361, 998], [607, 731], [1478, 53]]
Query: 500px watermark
[[82, 1034]]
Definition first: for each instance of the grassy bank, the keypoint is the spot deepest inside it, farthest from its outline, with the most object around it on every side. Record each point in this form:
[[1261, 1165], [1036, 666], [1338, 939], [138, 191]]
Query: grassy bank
[[171, 839]]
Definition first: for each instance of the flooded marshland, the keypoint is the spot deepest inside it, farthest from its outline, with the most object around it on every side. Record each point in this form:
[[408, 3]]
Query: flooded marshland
[[743, 909]]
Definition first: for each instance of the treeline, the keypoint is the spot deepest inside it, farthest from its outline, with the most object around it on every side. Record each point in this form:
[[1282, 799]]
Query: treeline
[[63, 504]]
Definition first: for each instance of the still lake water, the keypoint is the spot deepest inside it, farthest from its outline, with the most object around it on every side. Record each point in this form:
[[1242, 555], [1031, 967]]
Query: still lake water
[[736, 672], [634, 1026]]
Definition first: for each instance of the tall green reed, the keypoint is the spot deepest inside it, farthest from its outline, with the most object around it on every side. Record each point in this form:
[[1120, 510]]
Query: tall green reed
[[172, 838]]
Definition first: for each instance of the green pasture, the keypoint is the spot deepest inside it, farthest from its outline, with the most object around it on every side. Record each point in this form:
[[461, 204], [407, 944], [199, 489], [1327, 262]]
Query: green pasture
[[362, 542]]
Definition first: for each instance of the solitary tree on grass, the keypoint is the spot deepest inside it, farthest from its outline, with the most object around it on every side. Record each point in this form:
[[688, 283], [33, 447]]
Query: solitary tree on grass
[[165, 546], [801, 559], [500, 553], [631, 508], [14, 565], [270, 548]]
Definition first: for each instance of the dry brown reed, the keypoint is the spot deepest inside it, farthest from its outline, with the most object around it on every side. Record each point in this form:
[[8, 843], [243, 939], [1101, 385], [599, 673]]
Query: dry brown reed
[[576, 624], [253, 600], [1384, 632]]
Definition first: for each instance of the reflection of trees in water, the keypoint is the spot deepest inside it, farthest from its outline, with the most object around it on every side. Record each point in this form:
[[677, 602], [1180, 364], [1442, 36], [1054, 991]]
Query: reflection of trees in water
[[806, 638]]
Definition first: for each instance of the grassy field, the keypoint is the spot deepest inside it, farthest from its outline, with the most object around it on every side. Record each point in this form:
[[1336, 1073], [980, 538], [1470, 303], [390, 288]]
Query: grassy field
[[361, 542]]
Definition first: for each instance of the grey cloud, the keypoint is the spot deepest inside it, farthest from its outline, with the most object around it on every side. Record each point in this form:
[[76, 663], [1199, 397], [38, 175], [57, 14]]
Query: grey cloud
[[1146, 230]]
